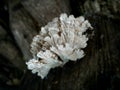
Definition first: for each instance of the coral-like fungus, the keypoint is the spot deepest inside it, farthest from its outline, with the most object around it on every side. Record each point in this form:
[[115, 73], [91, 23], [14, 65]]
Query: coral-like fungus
[[58, 42]]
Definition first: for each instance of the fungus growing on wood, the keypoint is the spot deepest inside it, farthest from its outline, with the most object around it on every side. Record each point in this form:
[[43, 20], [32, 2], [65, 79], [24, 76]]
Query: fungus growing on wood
[[59, 41]]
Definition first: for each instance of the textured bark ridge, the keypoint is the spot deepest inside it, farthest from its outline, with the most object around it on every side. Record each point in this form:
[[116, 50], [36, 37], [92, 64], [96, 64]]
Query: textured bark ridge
[[20, 21]]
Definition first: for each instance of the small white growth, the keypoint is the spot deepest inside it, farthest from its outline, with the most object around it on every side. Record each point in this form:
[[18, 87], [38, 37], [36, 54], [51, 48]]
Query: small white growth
[[58, 42]]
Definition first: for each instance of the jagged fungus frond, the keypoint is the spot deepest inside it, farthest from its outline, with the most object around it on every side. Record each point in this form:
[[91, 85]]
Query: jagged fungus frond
[[58, 42]]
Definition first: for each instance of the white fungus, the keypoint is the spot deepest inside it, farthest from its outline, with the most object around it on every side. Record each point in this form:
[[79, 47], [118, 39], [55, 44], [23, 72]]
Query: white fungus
[[58, 42]]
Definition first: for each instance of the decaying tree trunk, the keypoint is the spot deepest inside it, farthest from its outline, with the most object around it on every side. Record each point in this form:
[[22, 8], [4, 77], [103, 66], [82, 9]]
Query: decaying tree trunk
[[98, 70]]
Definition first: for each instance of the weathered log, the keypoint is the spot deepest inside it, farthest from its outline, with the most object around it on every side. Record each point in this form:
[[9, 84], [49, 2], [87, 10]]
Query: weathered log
[[98, 70]]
